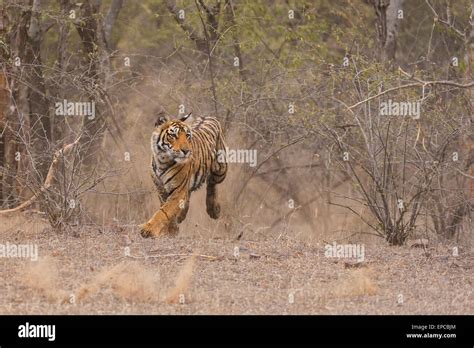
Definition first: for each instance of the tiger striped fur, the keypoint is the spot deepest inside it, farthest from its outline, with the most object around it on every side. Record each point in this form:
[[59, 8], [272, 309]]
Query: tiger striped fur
[[183, 158]]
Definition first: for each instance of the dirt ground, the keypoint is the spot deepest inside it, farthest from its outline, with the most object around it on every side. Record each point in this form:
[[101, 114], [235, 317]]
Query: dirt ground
[[112, 270]]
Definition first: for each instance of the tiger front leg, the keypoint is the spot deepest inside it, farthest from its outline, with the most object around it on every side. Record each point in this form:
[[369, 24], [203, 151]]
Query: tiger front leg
[[155, 226], [164, 220]]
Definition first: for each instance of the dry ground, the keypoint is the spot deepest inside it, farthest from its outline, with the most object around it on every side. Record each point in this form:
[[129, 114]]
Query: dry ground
[[87, 270]]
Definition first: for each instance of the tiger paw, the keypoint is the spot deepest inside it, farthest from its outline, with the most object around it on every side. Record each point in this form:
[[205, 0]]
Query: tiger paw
[[147, 231], [214, 210]]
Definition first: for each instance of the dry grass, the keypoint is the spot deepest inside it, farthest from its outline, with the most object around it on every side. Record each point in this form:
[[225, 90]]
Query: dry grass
[[42, 276], [132, 281], [92, 266], [356, 283], [128, 280]]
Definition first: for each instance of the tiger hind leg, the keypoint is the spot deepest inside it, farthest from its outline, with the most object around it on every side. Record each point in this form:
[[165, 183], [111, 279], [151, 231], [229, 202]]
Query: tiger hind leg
[[217, 175], [212, 206]]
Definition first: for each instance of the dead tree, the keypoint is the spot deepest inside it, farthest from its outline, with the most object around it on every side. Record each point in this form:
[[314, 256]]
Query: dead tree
[[387, 25], [25, 119], [235, 41], [211, 24], [448, 221], [14, 22], [94, 38], [39, 105]]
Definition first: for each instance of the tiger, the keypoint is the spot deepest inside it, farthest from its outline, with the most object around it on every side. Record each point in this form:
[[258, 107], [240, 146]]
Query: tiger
[[183, 158]]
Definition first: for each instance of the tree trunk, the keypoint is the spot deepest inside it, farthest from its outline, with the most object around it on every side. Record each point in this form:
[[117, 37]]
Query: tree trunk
[[58, 121], [235, 40], [95, 38], [387, 26], [14, 34], [40, 122], [92, 127]]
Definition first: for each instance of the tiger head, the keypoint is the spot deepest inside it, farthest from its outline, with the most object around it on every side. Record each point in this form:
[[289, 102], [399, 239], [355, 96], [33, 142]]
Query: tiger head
[[171, 139]]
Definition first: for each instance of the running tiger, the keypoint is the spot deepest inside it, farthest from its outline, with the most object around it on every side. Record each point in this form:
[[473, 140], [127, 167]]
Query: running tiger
[[183, 158]]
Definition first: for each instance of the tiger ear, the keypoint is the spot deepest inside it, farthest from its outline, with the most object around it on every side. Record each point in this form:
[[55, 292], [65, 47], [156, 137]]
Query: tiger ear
[[160, 120], [185, 117]]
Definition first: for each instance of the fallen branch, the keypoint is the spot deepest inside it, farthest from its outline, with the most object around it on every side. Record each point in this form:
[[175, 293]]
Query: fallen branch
[[209, 257], [47, 182]]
